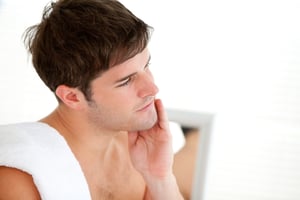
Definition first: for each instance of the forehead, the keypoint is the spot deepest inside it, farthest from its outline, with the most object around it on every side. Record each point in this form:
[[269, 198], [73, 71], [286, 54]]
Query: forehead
[[129, 66]]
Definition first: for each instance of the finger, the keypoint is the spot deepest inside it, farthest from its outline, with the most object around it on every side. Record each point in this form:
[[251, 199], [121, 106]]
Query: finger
[[161, 113]]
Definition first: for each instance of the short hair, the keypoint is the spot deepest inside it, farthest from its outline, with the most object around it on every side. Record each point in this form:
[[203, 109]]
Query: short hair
[[188, 129], [77, 40]]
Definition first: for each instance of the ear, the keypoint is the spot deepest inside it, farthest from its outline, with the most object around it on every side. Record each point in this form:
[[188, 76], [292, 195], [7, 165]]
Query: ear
[[71, 97]]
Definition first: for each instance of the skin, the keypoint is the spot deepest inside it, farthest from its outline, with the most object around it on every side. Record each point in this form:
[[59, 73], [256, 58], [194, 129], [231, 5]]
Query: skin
[[121, 138], [12, 182]]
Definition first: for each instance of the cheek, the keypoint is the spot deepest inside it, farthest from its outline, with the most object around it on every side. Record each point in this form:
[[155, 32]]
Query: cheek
[[120, 100]]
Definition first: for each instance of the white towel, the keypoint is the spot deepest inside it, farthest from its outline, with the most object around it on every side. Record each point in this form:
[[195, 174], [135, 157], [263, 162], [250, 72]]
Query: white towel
[[41, 151]]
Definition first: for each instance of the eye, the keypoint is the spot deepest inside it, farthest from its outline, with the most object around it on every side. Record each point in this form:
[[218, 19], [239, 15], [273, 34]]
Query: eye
[[147, 66], [125, 82]]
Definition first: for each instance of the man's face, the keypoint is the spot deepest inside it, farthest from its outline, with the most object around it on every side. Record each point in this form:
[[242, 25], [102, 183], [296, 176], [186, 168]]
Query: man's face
[[123, 97]]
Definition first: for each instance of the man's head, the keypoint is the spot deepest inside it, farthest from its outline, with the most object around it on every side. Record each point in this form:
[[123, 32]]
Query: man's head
[[78, 40]]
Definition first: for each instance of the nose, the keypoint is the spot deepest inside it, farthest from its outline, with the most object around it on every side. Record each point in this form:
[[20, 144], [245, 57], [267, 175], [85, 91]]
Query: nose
[[146, 86]]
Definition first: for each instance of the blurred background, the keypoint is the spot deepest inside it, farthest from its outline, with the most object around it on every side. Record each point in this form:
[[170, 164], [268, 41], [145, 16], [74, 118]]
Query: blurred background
[[237, 59]]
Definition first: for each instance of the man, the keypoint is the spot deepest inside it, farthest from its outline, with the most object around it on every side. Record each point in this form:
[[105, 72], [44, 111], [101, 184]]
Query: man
[[109, 136], [185, 160]]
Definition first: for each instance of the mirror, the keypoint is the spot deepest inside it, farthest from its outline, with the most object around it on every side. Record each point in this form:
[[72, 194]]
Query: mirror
[[204, 122]]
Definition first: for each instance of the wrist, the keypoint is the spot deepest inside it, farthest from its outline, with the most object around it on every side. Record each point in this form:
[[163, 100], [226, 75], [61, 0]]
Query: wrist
[[162, 188]]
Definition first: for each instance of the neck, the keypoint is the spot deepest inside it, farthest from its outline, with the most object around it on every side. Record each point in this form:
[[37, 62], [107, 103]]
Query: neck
[[102, 155], [80, 135]]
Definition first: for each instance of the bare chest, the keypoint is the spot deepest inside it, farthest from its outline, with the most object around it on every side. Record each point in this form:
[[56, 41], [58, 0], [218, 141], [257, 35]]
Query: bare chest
[[116, 184]]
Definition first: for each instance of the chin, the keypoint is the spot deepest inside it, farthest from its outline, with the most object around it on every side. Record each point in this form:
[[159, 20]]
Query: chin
[[150, 124], [145, 122]]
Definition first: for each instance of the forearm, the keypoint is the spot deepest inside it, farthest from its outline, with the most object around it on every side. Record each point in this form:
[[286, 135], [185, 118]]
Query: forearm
[[162, 189]]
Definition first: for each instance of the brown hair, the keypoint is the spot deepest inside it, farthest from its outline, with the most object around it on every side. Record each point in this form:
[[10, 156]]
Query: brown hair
[[78, 40], [188, 129]]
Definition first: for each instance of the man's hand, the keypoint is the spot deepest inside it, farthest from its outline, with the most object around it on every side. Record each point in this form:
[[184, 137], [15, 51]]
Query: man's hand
[[151, 150], [152, 155]]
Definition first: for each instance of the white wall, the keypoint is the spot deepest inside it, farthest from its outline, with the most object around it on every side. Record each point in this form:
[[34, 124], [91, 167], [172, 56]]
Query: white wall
[[237, 59], [23, 96]]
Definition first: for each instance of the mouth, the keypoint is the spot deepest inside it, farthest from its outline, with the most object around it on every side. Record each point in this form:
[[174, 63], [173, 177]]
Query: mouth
[[146, 106]]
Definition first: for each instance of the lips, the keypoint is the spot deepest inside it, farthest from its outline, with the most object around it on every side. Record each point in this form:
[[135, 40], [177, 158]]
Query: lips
[[147, 105]]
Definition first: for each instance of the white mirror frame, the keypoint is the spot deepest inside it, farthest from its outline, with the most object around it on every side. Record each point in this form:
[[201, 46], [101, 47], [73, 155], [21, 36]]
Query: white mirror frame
[[204, 121]]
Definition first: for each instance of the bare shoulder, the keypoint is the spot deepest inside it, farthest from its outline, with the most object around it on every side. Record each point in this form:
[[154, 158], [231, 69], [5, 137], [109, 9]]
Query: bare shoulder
[[16, 184]]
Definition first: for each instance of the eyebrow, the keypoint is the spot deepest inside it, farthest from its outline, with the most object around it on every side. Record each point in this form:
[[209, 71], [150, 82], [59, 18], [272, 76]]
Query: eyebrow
[[132, 74]]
